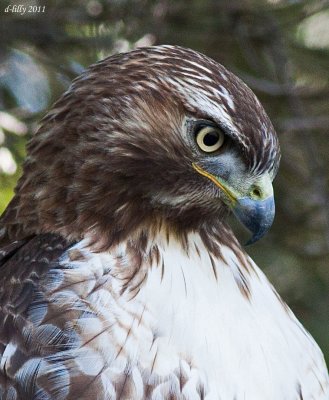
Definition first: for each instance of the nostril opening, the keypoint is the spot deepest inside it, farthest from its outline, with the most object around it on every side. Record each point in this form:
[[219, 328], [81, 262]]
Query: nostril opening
[[256, 192]]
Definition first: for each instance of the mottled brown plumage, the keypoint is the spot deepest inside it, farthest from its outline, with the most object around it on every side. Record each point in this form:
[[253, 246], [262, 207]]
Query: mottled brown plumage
[[86, 138], [120, 278]]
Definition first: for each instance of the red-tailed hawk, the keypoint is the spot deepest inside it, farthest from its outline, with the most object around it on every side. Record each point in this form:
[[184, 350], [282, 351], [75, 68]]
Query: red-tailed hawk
[[120, 278]]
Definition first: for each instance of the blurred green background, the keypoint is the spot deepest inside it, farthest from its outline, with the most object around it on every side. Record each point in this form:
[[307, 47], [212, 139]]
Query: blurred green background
[[279, 48]]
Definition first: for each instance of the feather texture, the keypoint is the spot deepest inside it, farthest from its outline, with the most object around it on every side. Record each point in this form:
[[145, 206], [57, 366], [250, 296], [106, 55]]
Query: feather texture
[[178, 327], [120, 279]]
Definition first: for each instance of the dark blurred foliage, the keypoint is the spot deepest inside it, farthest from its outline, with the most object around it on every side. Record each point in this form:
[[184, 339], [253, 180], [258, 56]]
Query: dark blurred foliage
[[280, 48]]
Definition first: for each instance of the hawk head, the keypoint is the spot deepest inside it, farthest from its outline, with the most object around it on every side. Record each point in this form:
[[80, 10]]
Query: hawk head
[[158, 134]]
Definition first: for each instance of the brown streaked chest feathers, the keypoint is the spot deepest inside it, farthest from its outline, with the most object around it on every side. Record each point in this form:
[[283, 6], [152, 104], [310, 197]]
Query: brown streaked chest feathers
[[154, 323]]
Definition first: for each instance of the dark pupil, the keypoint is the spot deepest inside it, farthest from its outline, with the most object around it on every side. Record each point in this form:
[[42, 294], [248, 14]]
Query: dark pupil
[[210, 139]]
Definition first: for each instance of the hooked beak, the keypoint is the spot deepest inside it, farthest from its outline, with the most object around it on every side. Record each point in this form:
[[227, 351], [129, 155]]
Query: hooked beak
[[256, 215], [254, 209]]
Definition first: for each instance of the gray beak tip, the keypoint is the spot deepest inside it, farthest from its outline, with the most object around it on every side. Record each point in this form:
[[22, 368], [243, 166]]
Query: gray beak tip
[[256, 215]]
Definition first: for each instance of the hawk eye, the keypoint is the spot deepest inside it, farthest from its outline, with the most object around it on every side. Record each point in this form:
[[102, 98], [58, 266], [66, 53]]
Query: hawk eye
[[210, 139]]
